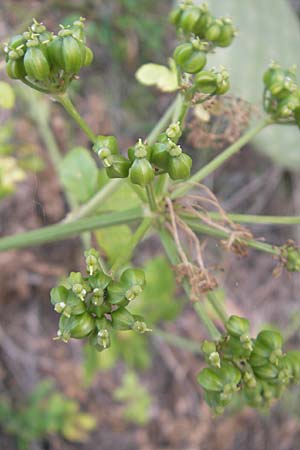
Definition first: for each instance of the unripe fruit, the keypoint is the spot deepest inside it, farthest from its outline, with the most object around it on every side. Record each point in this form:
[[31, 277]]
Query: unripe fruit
[[160, 156], [36, 64], [189, 18], [189, 59], [270, 339], [226, 36], [133, 277], [15, 69], [122, 319], [209, 380], [141, 172], [206, 82], [179, 167], [237, 326], [266, 372], [202, 24], [72, 54], [119, 167], [77, 327], [88, 57]]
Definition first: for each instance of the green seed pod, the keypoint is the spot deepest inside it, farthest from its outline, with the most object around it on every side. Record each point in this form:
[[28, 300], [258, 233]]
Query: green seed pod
[[229, 374], [77, 29], [292, 361], [141, 172], [202, 24], [160, 156], [208, 347], [16, 41], [213, 399], [258, 360], [210, 381], [54, 51], [119, 167], [88, 56], [237, 326], [122, 319], [133, 277], [15, 69], [175, 16], [189, 59], [59, 294], [206, 82], [227, 35], [271, 339], [189, 18], [74, 305], [234, 348], [292, 256], [73, 54], [76, 327], [273, 75], [266, 372], [116, 293], [36, 64], [179, 167], [99, 280], [213, 32]]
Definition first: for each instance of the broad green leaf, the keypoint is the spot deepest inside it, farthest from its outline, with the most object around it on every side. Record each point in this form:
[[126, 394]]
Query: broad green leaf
[[79, 174], [158, 301], [162, 77], [113, 240], [7, 95], [268, 30], [123, 198]]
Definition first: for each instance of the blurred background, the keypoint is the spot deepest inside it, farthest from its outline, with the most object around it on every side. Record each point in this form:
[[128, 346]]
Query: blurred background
[[141, 393]]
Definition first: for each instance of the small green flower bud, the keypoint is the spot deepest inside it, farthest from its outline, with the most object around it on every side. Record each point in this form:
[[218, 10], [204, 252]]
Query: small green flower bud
[[140, 327], [106, 145], [214, 359], [174, 132], [133, 292], [92, 261]]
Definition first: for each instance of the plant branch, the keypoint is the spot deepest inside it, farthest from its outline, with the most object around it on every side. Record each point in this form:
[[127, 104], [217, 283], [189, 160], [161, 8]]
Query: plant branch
[[65, 230], [178, 341], [263, 220], [200, 227], [217, 306], [220, 159], [66, 102], [151, 197]]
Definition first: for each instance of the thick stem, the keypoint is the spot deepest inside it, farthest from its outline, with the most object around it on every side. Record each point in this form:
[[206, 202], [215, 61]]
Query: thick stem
[[66, 230], [220, 159], [200, 227], [66, 102], [171, 251], [217, 305], [151, 197], [178, 341], [261, 220]]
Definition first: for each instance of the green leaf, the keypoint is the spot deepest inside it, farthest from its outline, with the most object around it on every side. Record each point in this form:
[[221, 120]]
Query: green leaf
[[80, 174], [7, 95], [162, 77], [158, 302], [268, 30], [113, 239]]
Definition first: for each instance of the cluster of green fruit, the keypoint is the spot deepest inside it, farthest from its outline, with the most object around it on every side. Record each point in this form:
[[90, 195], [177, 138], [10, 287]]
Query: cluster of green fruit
[[290, 255], [45, 61], [282, 94], [255, 367], [203, 32], [94, 306], [145, 161]]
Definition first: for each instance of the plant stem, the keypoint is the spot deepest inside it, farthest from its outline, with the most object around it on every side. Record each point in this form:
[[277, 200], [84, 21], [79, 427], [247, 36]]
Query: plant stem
[[151, 197], [66, 230], [162, 123], [220, 159], [264, 220], [179, 341], [200, 227], [217, 305], [171, 251], [66, 102], [134, 241], [92, 205]]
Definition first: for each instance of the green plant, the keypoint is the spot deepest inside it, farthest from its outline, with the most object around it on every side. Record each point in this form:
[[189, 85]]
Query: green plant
[[151, 185], [45, 412]]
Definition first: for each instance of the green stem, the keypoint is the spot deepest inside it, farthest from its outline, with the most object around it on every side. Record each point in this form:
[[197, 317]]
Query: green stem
[[66, 102], [162, 123], [199, 307], [217, 305], [200, 227], [92, 205], [264, 220], [179, 341], [220, 159], [171, 251], [134, 241], [66, 230], [151, 197]]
